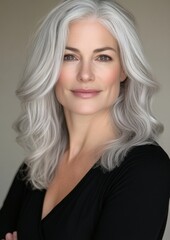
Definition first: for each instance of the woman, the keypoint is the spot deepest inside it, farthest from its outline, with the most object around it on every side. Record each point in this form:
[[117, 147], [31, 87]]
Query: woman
[[93, 168]]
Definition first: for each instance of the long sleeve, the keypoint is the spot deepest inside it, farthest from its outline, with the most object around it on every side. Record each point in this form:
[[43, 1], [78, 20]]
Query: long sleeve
[[128, 203], [12, 204], [136, 207]]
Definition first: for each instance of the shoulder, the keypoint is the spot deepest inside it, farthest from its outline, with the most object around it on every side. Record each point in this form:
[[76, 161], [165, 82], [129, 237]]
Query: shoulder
[[148, 155], [145, 169], [148, 159], [149, 163], [21, 173], [143, 165], [20, 182], [150, 150]]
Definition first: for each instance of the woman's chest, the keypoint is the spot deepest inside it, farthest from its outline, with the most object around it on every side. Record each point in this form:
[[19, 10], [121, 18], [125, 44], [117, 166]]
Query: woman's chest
[[75, 216]]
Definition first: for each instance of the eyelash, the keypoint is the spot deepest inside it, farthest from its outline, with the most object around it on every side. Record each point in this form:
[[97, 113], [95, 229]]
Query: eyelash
[[100, 58], [69, 57], [104, 58]]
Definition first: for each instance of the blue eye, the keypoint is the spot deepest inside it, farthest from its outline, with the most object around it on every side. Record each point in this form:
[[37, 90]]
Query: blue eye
[[104, 58], [69, 57]]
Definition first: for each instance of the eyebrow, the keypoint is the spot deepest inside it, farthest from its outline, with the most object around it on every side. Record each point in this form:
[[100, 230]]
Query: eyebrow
[[95, 51]]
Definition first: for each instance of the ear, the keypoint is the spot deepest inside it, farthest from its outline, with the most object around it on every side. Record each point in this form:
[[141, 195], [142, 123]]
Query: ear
[[123, 76]]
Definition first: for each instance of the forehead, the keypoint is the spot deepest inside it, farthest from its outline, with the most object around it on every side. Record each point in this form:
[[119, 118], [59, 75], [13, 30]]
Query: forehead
[[90, 31]]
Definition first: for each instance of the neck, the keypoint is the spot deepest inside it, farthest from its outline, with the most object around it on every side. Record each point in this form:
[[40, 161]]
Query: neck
[[88, 133]]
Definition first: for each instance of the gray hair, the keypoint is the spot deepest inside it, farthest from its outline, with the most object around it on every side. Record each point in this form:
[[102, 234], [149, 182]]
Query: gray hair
[[41, 127]]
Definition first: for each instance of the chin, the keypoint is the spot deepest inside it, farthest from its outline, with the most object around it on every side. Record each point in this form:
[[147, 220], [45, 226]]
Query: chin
[[87, 111]]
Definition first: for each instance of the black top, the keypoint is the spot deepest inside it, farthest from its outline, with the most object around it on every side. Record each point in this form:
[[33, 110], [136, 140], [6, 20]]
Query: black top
[[127, 203]]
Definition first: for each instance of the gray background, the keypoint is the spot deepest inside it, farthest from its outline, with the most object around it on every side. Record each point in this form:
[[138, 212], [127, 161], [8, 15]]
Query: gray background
[[18, 20]]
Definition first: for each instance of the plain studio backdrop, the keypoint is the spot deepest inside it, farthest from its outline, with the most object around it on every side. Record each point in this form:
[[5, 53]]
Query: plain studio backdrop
[[18, 20]]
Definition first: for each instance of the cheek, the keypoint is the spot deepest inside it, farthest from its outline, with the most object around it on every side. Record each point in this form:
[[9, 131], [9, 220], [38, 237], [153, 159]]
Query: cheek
[[63, 84], [112, 78], [66, 77], [63, 81], [59, 87]]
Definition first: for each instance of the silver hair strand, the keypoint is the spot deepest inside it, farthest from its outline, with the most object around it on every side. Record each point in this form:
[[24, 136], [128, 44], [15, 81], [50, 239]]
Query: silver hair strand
[[41, 127]]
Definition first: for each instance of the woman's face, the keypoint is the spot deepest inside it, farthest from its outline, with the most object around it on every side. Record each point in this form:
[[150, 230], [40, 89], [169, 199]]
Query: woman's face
[[91, 71]]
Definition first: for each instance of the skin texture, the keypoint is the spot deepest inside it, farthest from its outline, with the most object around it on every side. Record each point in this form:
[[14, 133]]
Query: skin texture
[[88, 85], [87, 68]]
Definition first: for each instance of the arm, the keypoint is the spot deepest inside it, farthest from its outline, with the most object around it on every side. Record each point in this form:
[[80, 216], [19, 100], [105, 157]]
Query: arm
[[136, 207], [10, 210]]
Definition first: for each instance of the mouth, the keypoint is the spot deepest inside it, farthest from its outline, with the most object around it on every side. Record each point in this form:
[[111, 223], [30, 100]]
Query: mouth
[[85, 93]]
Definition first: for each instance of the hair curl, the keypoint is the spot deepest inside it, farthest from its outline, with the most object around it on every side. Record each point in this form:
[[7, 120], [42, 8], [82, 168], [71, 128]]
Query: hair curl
[[41, 127]]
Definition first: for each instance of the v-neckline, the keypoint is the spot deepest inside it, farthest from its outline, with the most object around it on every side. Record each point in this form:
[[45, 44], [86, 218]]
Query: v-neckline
[[66, 198]]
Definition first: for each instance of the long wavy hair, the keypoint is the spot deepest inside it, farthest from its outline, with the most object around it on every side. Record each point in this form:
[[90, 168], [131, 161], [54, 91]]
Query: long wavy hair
[[41, 127]]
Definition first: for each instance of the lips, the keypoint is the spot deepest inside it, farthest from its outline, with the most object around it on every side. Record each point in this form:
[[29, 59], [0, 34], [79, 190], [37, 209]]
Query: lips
[[85, 93]]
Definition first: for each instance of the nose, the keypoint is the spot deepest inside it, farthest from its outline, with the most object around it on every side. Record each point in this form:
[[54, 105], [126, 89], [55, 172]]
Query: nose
[[85, 72]]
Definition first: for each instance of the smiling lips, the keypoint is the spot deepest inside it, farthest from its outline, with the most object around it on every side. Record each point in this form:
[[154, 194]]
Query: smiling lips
[[85, 93]]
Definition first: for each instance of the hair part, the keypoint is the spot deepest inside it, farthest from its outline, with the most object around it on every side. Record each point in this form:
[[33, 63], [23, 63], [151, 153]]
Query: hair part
[[41, 127]]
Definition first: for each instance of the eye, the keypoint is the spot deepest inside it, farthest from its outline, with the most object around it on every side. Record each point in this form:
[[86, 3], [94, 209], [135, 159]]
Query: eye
[[69, 58], [104, 58]]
